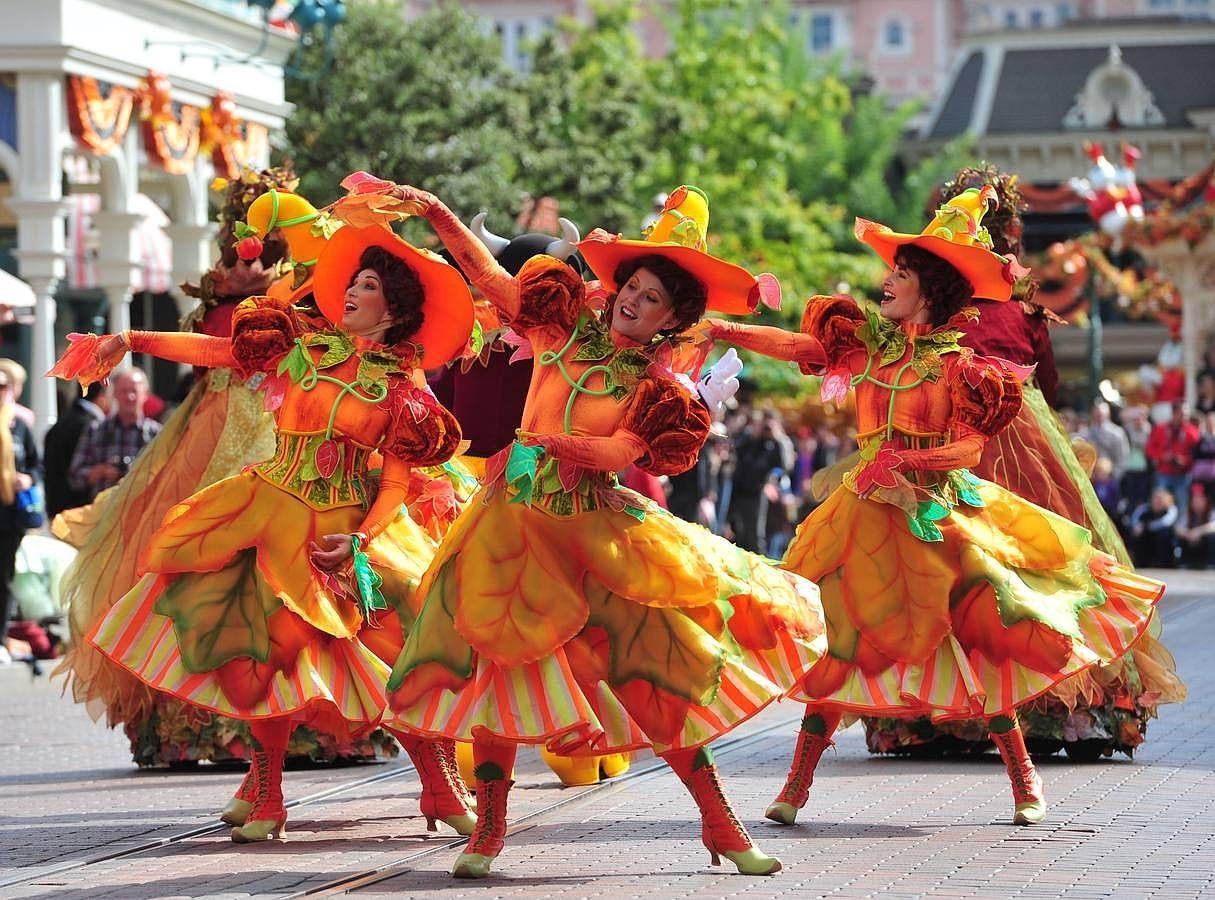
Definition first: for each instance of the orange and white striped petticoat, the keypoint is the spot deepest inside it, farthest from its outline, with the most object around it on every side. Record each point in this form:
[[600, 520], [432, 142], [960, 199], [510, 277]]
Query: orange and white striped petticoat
[[1012, 601]]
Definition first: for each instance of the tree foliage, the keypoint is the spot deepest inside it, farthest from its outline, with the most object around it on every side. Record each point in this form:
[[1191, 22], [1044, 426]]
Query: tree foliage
[[786, 146], [426, 102]]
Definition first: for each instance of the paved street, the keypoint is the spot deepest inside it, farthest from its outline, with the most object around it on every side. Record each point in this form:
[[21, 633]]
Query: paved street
[[81, 821]]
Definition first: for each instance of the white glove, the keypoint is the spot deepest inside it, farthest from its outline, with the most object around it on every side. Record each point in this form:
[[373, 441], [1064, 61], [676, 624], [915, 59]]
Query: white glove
[[720, 383]]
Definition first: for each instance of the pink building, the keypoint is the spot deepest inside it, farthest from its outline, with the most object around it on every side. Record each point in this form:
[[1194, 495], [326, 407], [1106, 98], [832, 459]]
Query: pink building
[[904, 48]]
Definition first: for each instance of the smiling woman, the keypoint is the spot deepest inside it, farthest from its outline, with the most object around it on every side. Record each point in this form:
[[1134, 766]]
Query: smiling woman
[[565, 610], [946, 596], [278, 595]]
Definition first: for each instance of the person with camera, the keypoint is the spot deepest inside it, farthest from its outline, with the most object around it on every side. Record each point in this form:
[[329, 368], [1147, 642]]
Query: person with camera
[[107, 449]]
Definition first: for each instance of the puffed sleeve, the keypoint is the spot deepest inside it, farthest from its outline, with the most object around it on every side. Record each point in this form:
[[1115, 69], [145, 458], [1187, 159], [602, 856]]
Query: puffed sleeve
[[263, 330], [833, 321], [550, 293], [673, 423], [986, 395], [423, 432]]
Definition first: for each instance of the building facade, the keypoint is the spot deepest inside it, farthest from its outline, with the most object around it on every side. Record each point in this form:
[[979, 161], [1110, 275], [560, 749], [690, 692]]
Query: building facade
[[135, 105]]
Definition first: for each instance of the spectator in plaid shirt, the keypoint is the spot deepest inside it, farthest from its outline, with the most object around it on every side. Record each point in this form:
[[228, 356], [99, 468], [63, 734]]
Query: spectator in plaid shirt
[[107, 449]]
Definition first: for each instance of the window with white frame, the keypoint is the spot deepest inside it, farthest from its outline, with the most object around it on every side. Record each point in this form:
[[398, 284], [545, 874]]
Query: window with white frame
[[894, 37], [518, 36], [822, 33]]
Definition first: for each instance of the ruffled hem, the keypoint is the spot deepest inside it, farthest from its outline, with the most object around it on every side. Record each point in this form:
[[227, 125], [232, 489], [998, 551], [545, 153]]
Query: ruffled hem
[[330, 680], [981, 665], [543, 702]]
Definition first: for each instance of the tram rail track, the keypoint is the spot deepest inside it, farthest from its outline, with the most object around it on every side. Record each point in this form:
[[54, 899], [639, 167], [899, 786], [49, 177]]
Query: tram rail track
[[345, 882]]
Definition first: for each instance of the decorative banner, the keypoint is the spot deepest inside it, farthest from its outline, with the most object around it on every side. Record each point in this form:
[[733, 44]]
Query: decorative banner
[[171, 142], [98, 123], [232, 143]]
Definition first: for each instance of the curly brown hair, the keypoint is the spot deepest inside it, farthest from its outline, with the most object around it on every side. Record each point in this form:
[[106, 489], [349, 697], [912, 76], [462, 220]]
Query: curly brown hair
[[945, 288], [689, 296], [402, 292]]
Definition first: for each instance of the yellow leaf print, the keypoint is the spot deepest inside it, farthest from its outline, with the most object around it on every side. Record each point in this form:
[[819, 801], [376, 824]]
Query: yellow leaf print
[[518, 600]]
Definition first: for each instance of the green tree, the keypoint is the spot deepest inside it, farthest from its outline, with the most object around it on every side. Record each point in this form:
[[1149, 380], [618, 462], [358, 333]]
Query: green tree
[[426, 102], [588, 135]]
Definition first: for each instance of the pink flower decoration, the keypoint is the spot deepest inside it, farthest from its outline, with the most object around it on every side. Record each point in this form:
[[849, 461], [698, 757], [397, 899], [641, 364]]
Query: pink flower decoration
[[976, 368], [834, 388], [523, 347], [365, 183], [769, 290]]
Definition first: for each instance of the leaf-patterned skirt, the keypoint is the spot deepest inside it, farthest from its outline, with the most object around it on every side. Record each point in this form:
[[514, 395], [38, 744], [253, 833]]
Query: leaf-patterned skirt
[[1009, 602], [599, 632], [227, 577]]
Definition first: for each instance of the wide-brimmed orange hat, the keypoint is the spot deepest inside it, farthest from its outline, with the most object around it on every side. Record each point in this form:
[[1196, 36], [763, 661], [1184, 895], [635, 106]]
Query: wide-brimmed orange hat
[[956, 234], [447, 307], [679, 235]]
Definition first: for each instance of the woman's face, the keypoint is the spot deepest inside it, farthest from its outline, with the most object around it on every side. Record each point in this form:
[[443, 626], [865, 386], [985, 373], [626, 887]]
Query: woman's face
[[901, 297], [643, 307], [366, 310]]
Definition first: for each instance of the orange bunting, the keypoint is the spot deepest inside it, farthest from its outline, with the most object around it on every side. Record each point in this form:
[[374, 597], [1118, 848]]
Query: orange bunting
[[98, 123]]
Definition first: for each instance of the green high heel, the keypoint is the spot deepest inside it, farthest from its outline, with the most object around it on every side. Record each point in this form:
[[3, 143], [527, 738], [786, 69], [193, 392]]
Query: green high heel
[[783, 813], [472, 865], [750, 861]]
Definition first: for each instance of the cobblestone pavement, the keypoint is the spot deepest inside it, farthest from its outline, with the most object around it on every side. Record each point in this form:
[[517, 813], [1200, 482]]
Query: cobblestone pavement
[[81, 821]]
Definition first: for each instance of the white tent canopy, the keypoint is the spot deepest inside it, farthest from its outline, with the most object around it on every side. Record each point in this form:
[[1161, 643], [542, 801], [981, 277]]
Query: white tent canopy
[[14, 292]]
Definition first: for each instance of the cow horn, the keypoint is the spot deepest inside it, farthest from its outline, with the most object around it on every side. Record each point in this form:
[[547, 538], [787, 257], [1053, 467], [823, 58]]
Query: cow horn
[[564, 246], [495, 243]]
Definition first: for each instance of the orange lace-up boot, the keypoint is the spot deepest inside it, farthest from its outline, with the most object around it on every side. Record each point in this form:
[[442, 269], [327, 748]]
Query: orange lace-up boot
[[237, 809], [720, 830], [444, 796], [267, 818], [813, 738], [1029, 798], [489, 836]]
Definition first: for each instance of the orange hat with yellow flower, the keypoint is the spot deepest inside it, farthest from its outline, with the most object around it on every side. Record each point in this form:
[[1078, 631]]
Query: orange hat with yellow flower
[[955, 234], [679, 235]]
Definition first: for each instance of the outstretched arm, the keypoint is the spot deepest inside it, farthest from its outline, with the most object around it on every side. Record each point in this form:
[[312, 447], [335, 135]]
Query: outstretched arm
[[183, 347], [792, 346], [604, 454], [91, 358], [477, 263]]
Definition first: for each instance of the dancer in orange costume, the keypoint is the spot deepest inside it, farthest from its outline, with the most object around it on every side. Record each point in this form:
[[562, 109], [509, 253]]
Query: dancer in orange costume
[[1105, 708], [219, 429], [275, 595], [564, 610], [945, 595]]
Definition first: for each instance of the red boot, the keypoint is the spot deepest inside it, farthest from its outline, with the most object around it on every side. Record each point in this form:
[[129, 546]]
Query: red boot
[[1028, 795], [489, 836], [444, 796], [267, 818], [237, 809], [796, 792], [720, 829]]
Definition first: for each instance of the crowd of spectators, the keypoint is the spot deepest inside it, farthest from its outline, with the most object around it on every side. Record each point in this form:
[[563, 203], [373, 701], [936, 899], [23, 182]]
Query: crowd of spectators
[[90, 447], [1155, 480]]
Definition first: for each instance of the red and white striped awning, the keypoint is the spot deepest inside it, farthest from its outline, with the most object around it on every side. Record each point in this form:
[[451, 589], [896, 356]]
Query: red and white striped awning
[[154, 247]]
